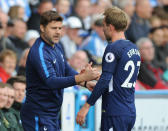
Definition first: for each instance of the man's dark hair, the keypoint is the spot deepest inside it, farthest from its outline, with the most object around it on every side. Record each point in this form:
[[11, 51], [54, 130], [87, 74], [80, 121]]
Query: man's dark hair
[[20, 79], [50, 16]]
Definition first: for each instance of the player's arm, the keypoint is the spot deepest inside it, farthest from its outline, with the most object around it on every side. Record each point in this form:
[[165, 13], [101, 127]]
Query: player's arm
[[70, 72], [101, 86], [108, 68], [44, 67]]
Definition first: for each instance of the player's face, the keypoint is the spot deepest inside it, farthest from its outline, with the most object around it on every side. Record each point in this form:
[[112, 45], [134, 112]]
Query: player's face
[[106, 30], [52, 32]]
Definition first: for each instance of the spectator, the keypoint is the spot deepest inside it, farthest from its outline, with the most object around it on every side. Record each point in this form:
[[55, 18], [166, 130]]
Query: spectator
[[17, 36], [11, 96], [162, 14], [3, 101], [6, 4], [22, 63], [126, 5], [71, 40], [83, 10], [150, 76], [99, 6], [5, 43], [3, 96], [16, 12], [8, 111], [161, 49], [155, 21], [7, 64], [139, 26], [79, 60], [63, 7], [3, 19], [34, 21], [19, 85], [9, 28], [96, 42]]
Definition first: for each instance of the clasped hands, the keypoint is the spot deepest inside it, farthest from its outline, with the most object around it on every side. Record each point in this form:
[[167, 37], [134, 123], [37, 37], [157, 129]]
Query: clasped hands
[[90, 74]]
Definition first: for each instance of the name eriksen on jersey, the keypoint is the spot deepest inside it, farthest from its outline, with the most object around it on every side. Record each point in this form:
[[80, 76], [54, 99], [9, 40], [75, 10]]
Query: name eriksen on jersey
[[133, 52]]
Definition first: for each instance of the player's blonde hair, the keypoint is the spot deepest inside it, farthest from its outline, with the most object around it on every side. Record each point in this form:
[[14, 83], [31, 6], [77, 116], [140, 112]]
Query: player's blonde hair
[[116, 17]]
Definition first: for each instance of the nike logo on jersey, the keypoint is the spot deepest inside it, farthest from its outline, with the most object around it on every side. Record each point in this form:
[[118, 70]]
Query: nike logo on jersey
[[45, 128], [54, 61]]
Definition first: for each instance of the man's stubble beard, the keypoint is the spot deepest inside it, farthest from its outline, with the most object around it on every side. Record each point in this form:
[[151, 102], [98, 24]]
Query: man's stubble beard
[[48, 39], [108, 38]]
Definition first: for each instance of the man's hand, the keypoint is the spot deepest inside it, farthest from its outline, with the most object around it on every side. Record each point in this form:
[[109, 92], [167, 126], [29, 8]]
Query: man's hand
[[90, 73], [87, 74], [80, 119], [90, 85]]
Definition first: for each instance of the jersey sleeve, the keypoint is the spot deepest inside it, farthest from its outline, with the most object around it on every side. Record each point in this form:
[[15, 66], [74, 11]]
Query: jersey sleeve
[[101, 86], [110, 58], [109, 65], [42, 63]]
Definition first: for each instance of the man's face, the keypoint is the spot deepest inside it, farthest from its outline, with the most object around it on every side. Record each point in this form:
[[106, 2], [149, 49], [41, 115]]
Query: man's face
[[130, 8], [83, 8], [158, 37], [72, 33], [52, 32], [145, 9], [19, 29], [45, 7], [79, 60], [63, 6], [11, 95], [19, 91], [99, 30], [106, 30], [3, 97], [147, 51], [3, 19]]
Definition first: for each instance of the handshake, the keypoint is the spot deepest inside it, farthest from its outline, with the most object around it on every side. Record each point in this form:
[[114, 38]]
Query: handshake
[[85, 77]]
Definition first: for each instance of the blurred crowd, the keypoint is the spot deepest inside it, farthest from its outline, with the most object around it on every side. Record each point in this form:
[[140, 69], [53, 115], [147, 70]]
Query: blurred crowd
[[82, 40]]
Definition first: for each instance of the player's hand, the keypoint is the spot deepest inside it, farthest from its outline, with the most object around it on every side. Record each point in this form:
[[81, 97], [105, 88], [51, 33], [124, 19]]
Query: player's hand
[[80, 119], [90, 73], [90, 85]]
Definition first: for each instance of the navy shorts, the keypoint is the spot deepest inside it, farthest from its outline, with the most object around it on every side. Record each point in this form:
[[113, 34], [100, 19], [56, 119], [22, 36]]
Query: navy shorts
[[117, 123], [32, 122]]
